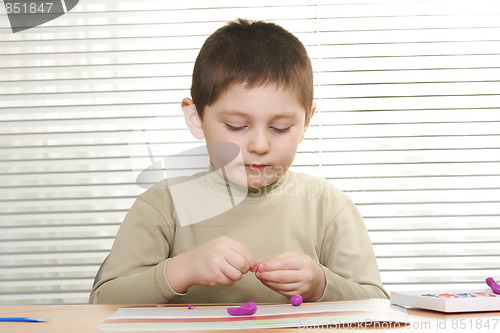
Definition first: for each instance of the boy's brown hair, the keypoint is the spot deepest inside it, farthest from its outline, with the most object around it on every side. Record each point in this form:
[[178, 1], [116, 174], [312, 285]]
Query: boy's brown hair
[[254, 53]]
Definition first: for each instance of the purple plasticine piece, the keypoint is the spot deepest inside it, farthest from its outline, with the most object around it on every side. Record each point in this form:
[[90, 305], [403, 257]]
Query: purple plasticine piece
[[246, 309], [296, 300], [190, 307], [495, 287]]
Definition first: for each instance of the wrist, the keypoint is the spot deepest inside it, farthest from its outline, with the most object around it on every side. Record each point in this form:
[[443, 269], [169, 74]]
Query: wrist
[[176, 276], [320, 290]]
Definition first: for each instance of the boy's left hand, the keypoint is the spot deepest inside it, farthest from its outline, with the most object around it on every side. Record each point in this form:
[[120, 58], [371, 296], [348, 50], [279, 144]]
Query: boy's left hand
[[293, 274]]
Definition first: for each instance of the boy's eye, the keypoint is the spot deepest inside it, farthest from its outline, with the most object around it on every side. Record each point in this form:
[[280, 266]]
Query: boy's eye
[[234, 128], [281, 130]]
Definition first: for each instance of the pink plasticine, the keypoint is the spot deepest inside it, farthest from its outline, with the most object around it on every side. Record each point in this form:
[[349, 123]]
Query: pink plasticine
[[246, 309], [296, 300], [495, 287]]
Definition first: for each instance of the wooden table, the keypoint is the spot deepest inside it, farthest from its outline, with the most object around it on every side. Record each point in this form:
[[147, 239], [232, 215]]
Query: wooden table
[[86, 318]]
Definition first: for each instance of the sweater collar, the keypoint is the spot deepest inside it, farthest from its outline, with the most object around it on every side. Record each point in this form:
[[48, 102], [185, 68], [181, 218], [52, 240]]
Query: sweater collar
[[218, 181]]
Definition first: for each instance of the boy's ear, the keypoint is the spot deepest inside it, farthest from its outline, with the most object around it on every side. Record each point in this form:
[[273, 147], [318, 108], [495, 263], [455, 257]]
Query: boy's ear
[[192, 118], [311, 113], [308, 119]]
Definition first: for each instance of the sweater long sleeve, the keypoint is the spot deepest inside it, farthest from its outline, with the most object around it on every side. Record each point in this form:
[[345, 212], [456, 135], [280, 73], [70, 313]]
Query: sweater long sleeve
[[299, 213]]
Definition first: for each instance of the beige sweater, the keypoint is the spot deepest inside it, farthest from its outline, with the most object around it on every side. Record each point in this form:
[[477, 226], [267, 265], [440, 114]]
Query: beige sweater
[[299, 213]]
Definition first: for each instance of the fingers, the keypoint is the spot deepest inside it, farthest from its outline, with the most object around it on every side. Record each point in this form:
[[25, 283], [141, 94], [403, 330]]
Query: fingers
[[292, 274], [282, 261], [228, 260], [281, 272], [248, 264], [285, 282], [235, 266], [287, 290]]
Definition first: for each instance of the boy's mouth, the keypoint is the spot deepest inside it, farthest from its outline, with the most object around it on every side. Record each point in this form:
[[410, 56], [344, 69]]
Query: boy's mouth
[[255, 166]]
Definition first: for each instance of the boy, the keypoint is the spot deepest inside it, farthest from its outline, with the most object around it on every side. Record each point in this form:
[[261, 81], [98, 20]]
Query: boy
[[291, 234]]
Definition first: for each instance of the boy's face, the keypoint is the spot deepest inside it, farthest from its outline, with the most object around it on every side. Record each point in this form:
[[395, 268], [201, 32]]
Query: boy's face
[[266, 122]]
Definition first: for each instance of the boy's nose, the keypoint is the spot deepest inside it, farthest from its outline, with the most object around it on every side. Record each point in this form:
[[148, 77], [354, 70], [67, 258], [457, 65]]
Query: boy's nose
[[259, 143]]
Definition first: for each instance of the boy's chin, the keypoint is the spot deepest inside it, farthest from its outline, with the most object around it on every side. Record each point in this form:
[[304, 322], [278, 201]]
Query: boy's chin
[[251, 182], [260, 183], [251, 179]]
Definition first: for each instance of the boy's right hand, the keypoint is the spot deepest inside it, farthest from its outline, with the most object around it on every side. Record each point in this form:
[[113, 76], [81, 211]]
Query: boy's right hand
[[220, 261]]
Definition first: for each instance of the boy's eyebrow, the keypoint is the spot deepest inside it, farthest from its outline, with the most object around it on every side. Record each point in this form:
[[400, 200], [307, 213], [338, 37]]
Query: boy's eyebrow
[[233, 112], [246, 114]]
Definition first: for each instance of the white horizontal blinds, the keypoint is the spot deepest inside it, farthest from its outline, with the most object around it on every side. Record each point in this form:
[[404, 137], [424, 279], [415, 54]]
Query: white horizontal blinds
[[407, 124], [410, 128], [73, 95]]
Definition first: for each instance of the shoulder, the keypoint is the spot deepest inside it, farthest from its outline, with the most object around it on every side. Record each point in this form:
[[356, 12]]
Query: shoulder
[[316, 186], [159, 195], [322, 193]]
